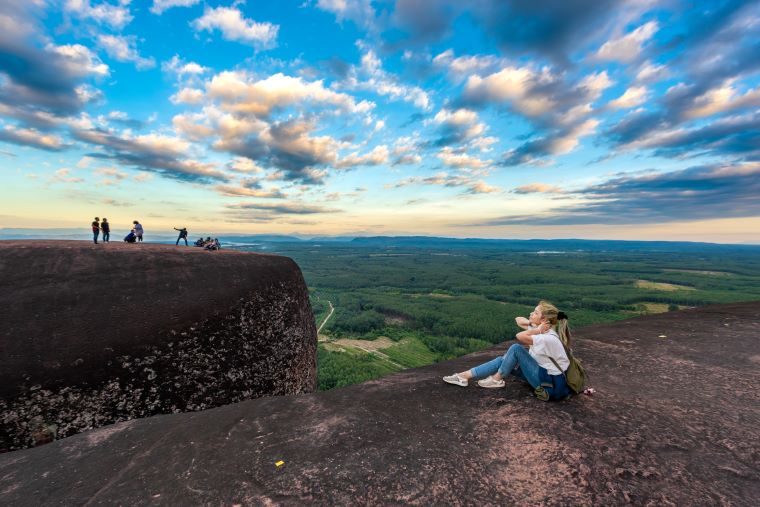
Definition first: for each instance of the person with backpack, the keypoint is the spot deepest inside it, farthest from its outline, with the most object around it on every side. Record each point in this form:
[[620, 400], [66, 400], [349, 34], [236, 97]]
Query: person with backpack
[[130, 238], [106, 228], [182, 235], [95, 230], [138, 229], [544, 365]]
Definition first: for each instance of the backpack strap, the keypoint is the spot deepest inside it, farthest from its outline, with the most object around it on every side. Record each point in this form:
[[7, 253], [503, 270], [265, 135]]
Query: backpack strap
[[560, 369]]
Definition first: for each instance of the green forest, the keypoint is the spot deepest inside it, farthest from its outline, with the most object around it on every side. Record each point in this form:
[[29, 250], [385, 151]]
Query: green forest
[[403, 307]]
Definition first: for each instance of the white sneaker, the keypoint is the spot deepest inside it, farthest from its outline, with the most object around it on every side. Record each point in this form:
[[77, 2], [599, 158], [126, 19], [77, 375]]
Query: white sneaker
[[490, 382], [456, 380]]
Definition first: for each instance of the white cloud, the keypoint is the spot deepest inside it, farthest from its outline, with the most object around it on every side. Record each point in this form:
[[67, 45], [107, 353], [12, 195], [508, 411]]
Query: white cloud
[[235, 27], [446, 180], [721, 99], [31, 137], [239, 92], [371, 77], [62, 175], [79, 60], [463, 66], [187, 96], [627, 48], [379, 155], [123, 49], [159, 6], [244, 165], [177, 66], [540, 188], [358, 11], [514, 85], [649, 72], [452, 158], [114, 16], [632, 97]]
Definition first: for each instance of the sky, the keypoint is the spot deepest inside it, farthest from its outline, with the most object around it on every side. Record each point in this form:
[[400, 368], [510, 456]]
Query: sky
[[591, 119]]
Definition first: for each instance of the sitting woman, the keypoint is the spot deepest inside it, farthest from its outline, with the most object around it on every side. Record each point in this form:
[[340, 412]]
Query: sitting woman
[[541, 365]]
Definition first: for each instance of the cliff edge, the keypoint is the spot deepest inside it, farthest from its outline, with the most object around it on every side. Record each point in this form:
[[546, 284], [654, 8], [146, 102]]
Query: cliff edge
[[673, 422], [93, 334]]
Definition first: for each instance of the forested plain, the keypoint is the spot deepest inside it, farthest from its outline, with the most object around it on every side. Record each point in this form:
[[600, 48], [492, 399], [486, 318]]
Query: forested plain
[[405, 305]]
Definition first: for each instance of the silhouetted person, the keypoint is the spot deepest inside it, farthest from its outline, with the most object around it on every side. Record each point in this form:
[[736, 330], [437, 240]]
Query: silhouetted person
[[182, 235], [138, 228], [95, 229], [130, 238], [106, 228]]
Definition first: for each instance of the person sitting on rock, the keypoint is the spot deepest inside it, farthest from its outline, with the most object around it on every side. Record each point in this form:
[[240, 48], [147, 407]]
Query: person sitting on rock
[[131, 237], [539, 365], [199, 242]]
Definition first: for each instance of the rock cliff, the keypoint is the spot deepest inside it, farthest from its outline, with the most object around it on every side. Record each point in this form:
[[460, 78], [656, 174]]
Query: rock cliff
[[673, 422], [93, 334]]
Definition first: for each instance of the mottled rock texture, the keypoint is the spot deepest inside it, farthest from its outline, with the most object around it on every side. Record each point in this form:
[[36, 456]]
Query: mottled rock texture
[[94, 334], [673, 422]]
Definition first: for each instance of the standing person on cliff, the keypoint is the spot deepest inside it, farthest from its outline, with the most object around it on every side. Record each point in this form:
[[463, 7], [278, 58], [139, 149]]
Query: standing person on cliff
[[138, 228], [95, 230], [106, 228], [182, 235]]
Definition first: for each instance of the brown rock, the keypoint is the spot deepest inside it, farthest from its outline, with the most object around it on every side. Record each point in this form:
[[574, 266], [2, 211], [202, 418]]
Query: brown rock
[[673, 422], [94, 334]]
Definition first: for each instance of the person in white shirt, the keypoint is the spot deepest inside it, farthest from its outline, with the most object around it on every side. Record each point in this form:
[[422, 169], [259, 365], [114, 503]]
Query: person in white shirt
[[138, 230], [542, 365]]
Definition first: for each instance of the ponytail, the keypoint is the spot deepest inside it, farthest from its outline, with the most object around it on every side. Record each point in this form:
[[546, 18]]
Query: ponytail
[[558, 319]]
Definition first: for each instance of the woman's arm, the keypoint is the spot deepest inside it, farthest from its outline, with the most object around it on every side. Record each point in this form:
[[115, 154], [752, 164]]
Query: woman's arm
[[522, 322], [526, 337]]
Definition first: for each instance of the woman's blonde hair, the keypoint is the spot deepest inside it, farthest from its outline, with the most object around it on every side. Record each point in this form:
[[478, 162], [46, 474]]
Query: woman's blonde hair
[[551, 314]]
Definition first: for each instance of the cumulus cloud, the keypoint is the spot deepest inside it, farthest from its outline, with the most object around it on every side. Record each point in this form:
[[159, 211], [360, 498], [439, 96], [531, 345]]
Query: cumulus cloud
[[187, 96], [627, 48], [122, 48], [151, 152], [243, 191], [462, 67], [159, 6], [235, 27], [358, 11], [454, 158], [378, 155], [31, 137], [444, 179], [370, 76], [178, 66], [458, 126], [697, 193], [632, 97], [266, 212], [244, 165], [537, 188], [115, 16], [241, 93], [63, 175], [558, 142]]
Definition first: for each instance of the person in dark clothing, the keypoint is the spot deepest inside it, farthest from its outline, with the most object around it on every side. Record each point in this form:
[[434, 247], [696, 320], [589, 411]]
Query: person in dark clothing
[[95, 229], [130, 238], [182, 235], [106, 228], [199, 242]]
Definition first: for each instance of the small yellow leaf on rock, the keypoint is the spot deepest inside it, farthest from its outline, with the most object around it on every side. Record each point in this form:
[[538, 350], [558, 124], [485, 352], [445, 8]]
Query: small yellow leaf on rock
[[279, 463], [662, 336]]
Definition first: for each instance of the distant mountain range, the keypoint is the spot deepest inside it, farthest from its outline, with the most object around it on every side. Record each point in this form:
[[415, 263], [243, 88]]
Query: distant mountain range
[[532, 245]]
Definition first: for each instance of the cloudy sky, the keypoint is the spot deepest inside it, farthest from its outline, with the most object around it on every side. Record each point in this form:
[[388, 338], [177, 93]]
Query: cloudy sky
[[505, 118]]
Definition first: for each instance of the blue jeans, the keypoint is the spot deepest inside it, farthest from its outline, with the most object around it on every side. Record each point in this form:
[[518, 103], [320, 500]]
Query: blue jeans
[[106, 236], [181, 238], [518, 362], [95, 236]]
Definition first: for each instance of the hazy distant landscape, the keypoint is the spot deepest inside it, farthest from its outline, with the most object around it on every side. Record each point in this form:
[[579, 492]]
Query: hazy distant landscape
[[407, 302]]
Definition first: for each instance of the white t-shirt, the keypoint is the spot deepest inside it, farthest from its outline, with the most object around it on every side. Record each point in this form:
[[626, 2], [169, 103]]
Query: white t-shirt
[[548, 345]]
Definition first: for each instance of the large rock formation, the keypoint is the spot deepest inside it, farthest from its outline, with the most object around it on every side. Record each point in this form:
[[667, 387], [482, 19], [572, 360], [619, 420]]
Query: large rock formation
[[673, 422], [93, 334]]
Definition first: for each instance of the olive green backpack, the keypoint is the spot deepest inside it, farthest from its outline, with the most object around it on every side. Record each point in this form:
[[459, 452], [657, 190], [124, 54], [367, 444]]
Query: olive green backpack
[[575, 375]]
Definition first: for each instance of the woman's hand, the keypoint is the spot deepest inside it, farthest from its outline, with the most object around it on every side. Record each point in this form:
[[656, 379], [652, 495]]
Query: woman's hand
[[544, 328]]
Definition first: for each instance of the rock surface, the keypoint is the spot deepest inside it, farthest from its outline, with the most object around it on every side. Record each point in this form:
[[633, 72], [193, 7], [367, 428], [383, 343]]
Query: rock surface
[[673, 422], [93, 334]]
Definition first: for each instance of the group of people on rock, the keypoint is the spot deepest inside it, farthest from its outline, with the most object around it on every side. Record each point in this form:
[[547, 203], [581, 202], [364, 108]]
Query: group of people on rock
[[104, 227], [136, 235], [208, 243]]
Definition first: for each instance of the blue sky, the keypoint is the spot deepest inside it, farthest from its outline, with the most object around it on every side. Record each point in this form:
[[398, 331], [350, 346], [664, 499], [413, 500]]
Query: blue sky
[[489, 118]]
